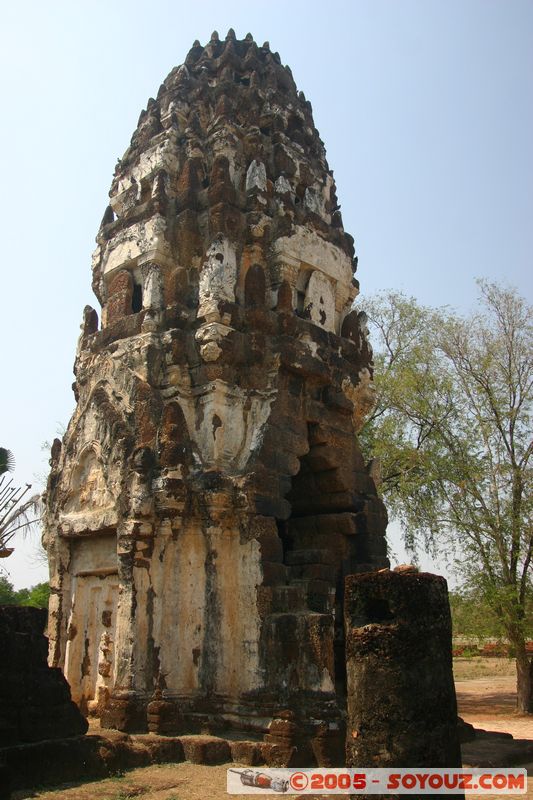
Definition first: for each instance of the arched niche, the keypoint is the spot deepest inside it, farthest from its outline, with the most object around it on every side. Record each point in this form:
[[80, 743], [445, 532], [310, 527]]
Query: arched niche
[[88, 490]]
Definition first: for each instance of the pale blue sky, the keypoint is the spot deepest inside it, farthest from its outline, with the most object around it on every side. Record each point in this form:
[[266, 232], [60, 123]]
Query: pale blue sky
[[425, 107]]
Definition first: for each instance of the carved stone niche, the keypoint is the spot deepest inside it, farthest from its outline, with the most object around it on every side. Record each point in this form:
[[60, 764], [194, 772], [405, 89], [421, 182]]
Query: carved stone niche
[[89, 503], [88, 487], [315, 298]]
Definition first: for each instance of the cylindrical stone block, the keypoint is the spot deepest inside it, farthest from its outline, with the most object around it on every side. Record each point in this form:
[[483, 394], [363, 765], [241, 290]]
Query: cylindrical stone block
[[402, 709]]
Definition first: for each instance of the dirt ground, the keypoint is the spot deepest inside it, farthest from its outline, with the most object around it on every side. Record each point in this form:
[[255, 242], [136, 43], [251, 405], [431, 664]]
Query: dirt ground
[[486, 698], [485, 694]]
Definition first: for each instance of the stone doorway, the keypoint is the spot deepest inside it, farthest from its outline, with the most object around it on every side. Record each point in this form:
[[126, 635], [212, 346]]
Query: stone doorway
[[89, 652]]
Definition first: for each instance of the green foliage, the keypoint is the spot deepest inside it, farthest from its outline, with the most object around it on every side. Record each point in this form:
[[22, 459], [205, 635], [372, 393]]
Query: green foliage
[[36, 596], [7, 593], [452, 429], [474, 618]]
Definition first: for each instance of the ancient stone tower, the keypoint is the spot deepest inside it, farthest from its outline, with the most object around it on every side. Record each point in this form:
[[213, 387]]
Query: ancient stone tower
[[209, 495]]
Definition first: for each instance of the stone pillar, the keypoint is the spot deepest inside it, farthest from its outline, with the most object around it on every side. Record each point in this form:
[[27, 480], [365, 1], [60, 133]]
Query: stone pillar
[[402, 709], [152, 287], [126, 708], [120, 295], [152, 296]]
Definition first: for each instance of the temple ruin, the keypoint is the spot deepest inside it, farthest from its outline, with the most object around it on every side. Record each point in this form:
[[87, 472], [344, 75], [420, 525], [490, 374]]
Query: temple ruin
[[209, 496]]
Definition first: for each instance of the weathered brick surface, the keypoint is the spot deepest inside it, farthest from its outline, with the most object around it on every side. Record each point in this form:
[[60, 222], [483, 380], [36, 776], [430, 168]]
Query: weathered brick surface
[[205, 749], [209, 495], [402, 710]]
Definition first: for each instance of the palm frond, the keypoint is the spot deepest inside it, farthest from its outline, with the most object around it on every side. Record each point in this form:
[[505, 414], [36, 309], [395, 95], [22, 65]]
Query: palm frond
[[21, 517], [7, 460]]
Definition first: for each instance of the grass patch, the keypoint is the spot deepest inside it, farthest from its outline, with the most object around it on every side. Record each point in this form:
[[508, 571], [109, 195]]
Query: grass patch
[[471, 667], [129, 793]]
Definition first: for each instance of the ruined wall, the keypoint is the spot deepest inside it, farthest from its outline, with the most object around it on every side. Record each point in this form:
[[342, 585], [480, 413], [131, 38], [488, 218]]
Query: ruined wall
[[35, 700], [209, 497]]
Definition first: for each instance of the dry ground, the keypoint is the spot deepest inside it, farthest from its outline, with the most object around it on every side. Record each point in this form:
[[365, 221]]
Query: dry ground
[[485, 693], [466, 669]]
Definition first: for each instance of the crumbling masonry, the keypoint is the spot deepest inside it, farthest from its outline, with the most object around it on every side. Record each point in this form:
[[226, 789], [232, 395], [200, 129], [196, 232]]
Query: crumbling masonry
[[209, 496]]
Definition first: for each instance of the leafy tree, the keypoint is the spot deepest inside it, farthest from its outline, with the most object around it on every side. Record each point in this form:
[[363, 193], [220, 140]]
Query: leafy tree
[[36, 596], [452, 429], [473, 618], [7, 593]]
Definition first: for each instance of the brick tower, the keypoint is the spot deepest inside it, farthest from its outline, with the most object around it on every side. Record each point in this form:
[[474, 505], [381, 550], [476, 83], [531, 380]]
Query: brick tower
[[209, 495]]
